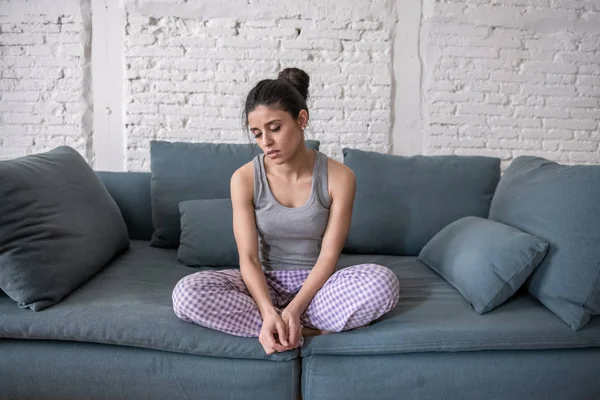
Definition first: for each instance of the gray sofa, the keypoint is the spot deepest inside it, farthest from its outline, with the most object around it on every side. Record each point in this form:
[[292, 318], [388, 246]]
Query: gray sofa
[[116, 336]]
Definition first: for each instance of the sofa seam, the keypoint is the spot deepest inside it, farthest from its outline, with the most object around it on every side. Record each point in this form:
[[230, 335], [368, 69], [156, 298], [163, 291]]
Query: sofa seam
[[594, 284]]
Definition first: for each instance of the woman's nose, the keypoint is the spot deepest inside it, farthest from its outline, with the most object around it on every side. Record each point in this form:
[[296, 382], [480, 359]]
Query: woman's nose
[[267, 139]]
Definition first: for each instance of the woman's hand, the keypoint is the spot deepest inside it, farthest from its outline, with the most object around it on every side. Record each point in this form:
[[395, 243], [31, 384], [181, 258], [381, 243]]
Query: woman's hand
[[273, 335], [294, 328]]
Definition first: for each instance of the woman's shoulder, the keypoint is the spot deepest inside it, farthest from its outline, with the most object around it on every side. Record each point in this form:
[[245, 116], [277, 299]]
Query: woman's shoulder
[[243, 179], [337, 170]]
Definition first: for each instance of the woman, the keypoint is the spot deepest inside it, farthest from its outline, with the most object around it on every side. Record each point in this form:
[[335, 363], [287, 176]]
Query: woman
[[292, 208]]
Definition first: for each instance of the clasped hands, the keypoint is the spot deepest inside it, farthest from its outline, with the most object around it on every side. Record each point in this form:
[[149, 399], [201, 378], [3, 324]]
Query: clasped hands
[[280, 332]]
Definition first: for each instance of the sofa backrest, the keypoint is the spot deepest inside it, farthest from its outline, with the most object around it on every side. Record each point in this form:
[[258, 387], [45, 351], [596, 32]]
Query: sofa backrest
[[131, 192]]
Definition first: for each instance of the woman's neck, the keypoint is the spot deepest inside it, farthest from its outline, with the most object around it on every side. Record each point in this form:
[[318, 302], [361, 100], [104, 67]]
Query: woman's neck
[[300, 165]]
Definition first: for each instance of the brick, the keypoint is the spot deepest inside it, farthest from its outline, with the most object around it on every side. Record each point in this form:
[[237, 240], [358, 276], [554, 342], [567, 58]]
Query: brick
[[268, 32], [474, 52], [39, 51], [30, 96], [460, 30], [514, 144], [43, 28], [192, 42], [141, 51], [588, 80], [550, 145], [458, 97], [506, 133], [497, 42], [21, 118], [200, 123], [579, 57], [159, 74], [570, 124], [486, 152], [14, 39], [572, 145], [515, 122], [63, 38], [484, 86], [499, 76], [166, 86], [553, 68], [142, 108], [585, 114], [483, 110], [312, 33], [542, 112], [548, 90], [218, 54], [573, 102], [549, 44], [248, 43], [558, 79], [457, 120]]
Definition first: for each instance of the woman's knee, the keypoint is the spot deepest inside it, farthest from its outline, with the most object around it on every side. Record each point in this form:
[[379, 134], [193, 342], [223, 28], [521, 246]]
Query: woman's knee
[[384, 284], [188, 294]]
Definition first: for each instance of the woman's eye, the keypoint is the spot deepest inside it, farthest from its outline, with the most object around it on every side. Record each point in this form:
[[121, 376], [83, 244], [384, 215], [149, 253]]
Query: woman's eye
[[275, 129], [257, 135]]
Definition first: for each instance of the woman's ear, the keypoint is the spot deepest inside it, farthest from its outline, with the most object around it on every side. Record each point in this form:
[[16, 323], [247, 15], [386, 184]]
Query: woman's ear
[[303, 118]]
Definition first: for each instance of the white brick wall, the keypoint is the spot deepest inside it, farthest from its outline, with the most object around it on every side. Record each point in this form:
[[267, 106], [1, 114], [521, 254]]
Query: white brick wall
[[491, 77], [42, 60], [187, 78], [506, 78]]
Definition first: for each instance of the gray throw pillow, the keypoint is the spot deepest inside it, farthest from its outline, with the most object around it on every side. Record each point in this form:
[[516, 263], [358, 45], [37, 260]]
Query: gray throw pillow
[[187, 171], [207, 234], [58, 226], [402, 202], [560, 204], [486, 261]]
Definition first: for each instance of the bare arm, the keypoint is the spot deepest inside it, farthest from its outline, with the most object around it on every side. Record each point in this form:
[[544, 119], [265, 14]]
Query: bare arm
[[246, 237], [342, 186]]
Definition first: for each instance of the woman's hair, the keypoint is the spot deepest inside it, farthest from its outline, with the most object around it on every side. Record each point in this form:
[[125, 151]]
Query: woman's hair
[[288, 92]]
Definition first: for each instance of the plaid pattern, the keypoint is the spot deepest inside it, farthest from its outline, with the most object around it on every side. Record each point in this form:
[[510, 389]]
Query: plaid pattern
[[351, 297]]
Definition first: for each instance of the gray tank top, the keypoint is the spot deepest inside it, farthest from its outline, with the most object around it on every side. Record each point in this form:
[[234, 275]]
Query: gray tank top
[[289, 238]]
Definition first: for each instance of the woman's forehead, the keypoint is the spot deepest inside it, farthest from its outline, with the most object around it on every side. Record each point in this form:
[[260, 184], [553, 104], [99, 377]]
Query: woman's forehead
[[264, 114]]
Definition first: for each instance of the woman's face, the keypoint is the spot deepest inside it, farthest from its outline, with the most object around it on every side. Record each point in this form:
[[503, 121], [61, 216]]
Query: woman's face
[[276, 132]]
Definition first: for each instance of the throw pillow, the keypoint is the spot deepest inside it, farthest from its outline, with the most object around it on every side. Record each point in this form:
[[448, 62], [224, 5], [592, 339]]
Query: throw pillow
[[207, 234], [560, 204], [58, 226], [402, 202], [188, 171], [486, 261]]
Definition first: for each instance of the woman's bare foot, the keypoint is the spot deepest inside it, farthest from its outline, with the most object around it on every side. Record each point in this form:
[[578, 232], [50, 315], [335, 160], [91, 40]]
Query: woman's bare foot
[[314, 332]]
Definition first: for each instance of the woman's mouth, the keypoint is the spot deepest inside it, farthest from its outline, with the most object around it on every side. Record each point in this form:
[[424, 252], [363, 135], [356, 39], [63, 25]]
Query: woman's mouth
[[273, 153]]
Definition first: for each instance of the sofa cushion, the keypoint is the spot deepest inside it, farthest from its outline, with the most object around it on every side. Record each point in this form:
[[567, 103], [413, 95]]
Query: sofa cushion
[[58, 226], [486, 261], [188, 171], [207, 234], [402, 202], [131, 192], [560, 204], [129, 303], [432, 316]]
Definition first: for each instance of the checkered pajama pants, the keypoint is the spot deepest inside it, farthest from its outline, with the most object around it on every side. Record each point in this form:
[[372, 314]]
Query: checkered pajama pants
[[351, 297]]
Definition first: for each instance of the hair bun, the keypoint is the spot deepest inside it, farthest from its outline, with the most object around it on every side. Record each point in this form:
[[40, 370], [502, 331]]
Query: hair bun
[[298, 78]]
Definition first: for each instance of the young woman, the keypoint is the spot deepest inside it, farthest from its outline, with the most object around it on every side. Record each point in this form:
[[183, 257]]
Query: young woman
[[292, 208]]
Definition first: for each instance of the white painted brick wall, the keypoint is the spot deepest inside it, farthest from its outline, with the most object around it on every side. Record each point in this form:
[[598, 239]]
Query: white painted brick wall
[[42, 102], [497, 77], [187, 78], [511, 77]]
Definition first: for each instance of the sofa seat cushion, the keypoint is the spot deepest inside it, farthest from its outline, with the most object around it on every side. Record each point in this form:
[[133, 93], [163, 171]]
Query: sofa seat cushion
[[433, 316], [129, 303]]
